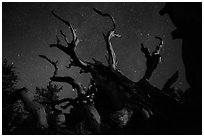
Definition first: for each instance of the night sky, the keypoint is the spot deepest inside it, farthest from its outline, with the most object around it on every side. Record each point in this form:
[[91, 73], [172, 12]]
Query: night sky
[[29, 28]]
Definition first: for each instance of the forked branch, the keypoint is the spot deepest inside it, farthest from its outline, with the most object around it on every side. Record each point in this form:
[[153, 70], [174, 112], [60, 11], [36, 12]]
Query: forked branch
[[69, 25], [108, 15], [161, 41], [70, 48], [112, 61], [52, 62], [65, 38]]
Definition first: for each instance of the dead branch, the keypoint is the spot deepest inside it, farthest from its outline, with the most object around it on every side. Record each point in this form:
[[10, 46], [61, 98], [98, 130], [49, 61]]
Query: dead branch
[[112, 61], [70, 48], [52, 62], [152, 59], [108, 15], [75, 85], [170, 81], [69, 25], [57, 102], [161, 41], [67, 105], [145, 51], [65, 38]]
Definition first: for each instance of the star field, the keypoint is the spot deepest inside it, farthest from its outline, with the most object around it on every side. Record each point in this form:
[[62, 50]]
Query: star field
[[29, 28]]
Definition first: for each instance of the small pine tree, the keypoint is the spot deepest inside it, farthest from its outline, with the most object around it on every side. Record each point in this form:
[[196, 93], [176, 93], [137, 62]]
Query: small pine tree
[[47, 96], [12, 108]]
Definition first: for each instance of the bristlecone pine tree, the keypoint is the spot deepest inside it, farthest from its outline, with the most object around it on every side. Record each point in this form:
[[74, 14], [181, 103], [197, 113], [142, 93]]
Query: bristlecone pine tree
[[112, 103]]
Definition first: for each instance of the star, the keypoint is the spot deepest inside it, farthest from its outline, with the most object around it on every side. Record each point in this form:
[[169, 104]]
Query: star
[[141, 34]]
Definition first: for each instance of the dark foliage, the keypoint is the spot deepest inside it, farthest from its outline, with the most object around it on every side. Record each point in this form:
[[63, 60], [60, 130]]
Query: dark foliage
[[13, 112], [47, 96]]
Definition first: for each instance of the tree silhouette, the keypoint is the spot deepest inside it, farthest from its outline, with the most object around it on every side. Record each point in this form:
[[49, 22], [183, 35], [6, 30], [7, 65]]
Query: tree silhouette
[[9, 77], [117, 102], [47, 96], [12, 109], [20, 114]]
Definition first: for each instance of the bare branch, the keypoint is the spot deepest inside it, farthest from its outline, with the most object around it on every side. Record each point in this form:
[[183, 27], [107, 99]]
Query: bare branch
[[57, 102], [65, 38], [61, 47], [69, 25], [58, 41], [67, 105], [75, 85], [106, 14], [112, 61], [161, 41], [52, 62], [170, 81], [70, 49], [145, 51], [73, 102], [75, 61], [64, 100]]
